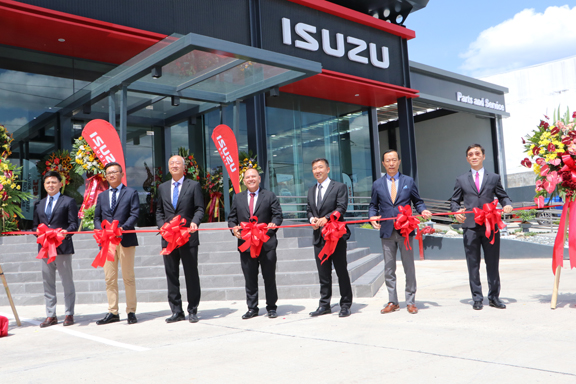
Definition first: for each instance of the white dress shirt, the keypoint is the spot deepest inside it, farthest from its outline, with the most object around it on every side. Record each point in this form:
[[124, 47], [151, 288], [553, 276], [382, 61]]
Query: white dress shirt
[[110, 192]]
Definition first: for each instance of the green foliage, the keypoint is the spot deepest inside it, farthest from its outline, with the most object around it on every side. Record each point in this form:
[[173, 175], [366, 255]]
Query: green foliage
[[367, 226], [526, 215], [88, 220]]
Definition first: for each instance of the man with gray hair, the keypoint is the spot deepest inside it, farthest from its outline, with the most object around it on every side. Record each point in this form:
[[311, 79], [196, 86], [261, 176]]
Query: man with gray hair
[[183, 197]]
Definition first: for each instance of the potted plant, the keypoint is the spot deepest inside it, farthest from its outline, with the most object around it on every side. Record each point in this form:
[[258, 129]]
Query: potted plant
[[455, 225], [525, 216]]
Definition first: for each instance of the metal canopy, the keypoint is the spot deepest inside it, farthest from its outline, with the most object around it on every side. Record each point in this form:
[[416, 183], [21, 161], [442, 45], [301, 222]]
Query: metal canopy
[[182, 76]]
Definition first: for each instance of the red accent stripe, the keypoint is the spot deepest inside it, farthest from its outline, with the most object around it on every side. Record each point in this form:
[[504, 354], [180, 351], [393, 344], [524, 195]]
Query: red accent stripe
[[357, 17]]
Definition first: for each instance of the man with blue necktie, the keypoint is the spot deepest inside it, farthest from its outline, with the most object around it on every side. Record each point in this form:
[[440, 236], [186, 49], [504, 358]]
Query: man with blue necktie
[[181, 196], [57, 211], [120, 203]]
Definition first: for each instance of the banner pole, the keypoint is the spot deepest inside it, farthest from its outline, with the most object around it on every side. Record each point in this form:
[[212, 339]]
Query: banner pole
[[10, 297]]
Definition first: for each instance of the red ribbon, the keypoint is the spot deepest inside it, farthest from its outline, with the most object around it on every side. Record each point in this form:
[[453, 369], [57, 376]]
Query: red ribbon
[[108, 239], [213, 206], [94, 185], [489, 216], [419, 236], [332, 231], [254, 236], [558, 253], [175, 233], [406, 223], [569, 166], [50, 239]]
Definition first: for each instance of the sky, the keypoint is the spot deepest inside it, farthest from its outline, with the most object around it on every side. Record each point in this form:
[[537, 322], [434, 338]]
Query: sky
[[488, 37]]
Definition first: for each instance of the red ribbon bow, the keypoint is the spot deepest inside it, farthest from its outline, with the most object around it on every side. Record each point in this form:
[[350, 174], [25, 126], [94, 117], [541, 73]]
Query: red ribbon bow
[[254, 236], [50, 239], [107, 238], [569, 166], [419, 236], [332, 231], [489, 216], [406, 223], [175, 233]]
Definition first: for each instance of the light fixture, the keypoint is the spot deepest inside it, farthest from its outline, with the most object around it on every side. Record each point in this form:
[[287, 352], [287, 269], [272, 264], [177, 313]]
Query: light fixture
[[275, 92], [156, 72], [175, 101]]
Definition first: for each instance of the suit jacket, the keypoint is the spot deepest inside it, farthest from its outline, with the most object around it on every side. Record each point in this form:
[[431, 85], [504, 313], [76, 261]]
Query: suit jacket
[[190, 206], [126, 212], [335, 199], [64, 215], [465, 190], [381, 202], [267, 210]]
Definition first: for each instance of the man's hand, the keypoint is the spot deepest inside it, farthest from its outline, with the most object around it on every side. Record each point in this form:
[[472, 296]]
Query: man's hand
[[193, 227], [507, 209], [236, 231], [460, 217], [271, 225], [426, 214], [375, 224], [321, 222]]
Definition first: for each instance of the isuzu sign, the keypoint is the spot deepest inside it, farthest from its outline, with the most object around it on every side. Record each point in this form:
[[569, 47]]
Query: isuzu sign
[[102, 137], [309, 38], [227, 147]]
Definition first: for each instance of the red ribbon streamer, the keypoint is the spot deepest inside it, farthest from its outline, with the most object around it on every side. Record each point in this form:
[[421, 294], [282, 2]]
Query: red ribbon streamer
[[213, 206], [419, 236], [175, 233], [558, 253], [406, 223], [254, 236], [332, 231], [108, 239], [94, 185], [50, 239], [489, 216]]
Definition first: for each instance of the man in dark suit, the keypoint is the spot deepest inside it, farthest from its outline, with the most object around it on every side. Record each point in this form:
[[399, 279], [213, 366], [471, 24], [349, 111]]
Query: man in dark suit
[[324, 198], [120, 203], [57, 211], [263, 204], [183, 197], [476, 188], [388, 193]]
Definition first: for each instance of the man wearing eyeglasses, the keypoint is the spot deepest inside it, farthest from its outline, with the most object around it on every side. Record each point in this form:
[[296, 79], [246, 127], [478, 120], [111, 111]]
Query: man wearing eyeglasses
[[120, 203], [181, 196], [476, 188]]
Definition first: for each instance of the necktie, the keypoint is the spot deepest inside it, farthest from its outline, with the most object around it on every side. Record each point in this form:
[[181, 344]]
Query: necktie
[[319, 197], [49, 208], [175, 194], [393, 191], [114, 190], [252, 194], [477, 181]]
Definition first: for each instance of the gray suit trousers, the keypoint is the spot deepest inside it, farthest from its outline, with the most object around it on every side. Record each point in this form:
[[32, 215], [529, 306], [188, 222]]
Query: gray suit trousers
[[63, 264], [389, 246]]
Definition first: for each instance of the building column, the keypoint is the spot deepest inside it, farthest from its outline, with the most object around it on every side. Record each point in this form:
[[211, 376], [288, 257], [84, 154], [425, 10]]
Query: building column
[[407, 138]]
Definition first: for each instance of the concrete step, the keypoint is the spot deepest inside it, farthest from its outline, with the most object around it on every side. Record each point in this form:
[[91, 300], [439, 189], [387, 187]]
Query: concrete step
[[370, 282]]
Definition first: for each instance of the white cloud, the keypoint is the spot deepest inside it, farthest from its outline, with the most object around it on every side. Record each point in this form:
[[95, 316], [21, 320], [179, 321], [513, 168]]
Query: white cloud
[[528, 38], [14, 124]]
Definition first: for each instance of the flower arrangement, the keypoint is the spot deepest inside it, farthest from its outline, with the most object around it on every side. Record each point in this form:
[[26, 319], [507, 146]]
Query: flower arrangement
[[10, 196], [551, 150], [5, 141], [85, 159], [247, 160], [213, 186], [191, 168], [60, 162]]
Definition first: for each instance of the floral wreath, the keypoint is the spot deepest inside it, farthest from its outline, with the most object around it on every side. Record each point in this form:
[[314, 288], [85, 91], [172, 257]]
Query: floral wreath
[[60, 162], [85, 159], [5, 141], [191, 167]]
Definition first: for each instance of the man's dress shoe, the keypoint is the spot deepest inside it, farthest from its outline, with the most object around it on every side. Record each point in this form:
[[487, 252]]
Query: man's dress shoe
[[477, 305], [412, 309], [496, 303], [176, 317], [109, 318], [132, 318], [344, 312], [391, 307], [250, 314], [192, 317], [272, 314], [69, 320], [49, 321], [321, 311]]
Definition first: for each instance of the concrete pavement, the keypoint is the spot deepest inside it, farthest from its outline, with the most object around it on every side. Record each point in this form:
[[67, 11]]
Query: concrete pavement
[[447, 342]]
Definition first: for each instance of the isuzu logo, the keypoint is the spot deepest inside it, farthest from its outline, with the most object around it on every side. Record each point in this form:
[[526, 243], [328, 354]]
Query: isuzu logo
[[309, 41], [225, 154], [101, 148]]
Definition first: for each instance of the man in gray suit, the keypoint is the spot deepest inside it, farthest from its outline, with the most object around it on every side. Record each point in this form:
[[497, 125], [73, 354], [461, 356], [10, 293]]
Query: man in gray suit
[[57, 211], [388, 193], [476, 188]]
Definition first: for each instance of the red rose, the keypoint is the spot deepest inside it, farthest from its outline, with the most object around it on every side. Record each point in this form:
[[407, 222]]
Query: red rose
[[47, 162], [190, 157], [56, 161]]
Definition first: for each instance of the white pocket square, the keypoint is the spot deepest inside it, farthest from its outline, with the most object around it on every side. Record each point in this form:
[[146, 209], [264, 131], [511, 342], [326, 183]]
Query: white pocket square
[[405, 187]]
